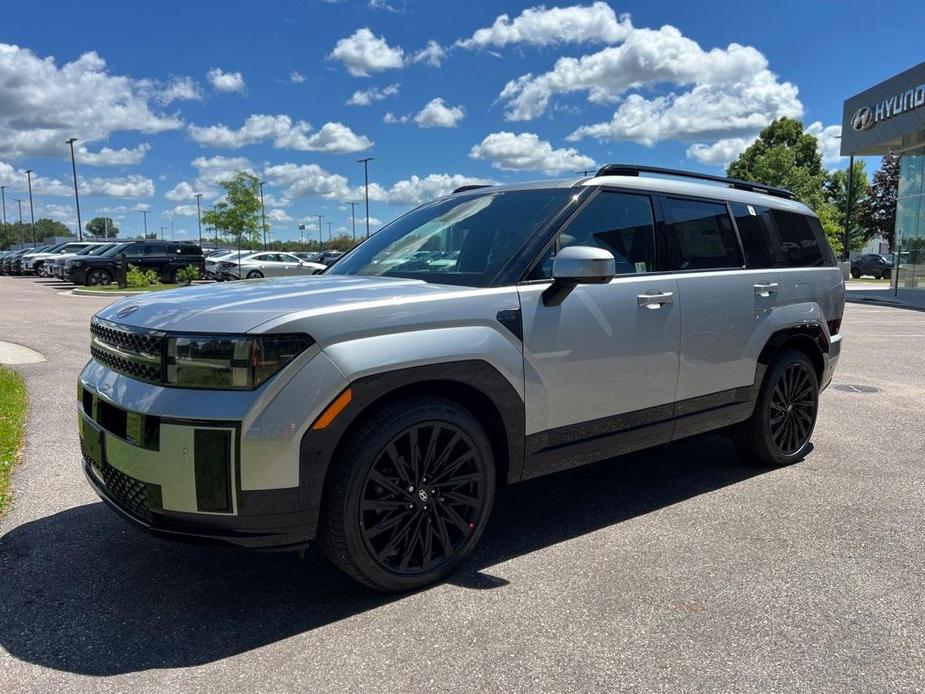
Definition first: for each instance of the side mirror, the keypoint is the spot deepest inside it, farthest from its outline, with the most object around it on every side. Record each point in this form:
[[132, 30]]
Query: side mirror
[[578, 265]]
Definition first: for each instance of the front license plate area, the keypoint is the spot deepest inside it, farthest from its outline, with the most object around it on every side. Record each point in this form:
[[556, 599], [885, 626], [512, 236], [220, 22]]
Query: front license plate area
[[92, 445]]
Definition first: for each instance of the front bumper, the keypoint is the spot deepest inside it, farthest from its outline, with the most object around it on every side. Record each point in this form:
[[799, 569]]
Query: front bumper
[[218, 466]]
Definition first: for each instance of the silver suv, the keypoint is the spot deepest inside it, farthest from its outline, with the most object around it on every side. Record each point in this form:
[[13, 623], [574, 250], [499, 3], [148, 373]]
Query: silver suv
[[490, 336]]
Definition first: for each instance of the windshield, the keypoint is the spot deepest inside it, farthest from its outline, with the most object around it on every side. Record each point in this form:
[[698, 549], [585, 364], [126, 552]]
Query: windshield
[[114, 250], [97, 250], [465, 240]]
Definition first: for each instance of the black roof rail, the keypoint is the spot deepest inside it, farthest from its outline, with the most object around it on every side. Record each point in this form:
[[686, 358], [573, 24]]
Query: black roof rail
[[475, 186], [635, 170]]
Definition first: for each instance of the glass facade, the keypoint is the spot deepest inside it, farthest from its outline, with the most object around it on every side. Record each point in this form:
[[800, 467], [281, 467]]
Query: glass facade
[[910, 220]]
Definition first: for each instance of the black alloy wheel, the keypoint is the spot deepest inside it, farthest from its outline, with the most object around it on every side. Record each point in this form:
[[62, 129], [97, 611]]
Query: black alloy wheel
[[411, 494], [793, 408], [780, 427], [254, 275], [422, 498], [98, 277]]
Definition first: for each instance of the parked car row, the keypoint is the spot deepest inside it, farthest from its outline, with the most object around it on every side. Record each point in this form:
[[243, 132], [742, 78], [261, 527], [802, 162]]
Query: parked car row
[[95, 263]]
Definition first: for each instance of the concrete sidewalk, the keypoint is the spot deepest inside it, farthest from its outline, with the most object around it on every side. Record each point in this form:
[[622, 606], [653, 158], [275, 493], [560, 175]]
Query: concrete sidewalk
[[864, 293]]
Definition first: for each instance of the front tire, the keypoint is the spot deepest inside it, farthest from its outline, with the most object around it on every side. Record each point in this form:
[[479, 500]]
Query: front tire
[[254, 275], [779, 429], [409, 495], [97, 278]]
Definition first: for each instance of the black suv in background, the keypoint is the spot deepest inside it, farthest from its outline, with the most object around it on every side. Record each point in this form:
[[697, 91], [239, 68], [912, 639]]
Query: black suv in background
[[166, 258], [872, 264]]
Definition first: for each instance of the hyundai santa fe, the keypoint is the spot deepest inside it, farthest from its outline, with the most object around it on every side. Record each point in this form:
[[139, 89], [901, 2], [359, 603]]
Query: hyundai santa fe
[[377, 407]]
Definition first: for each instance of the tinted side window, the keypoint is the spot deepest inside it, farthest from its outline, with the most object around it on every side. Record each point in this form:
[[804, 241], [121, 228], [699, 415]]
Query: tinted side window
[[155, 250], [618, 222], [762, 250], [133, 249], [188, 249], [802, 247], [703, 234]]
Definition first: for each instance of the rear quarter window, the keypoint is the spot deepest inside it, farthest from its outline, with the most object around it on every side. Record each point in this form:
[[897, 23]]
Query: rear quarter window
[[802, 239], [759, 240]]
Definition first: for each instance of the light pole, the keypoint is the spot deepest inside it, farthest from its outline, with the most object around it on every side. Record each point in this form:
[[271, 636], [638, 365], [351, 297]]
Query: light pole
[[31, 208], [353, 221], [163, 235], [330, 224], [198, 197], [22, 234], [302, 234], [145, 215], [847, 237], [263, 216], [80, 229], [365, 163], [320, 240], [3, 196]]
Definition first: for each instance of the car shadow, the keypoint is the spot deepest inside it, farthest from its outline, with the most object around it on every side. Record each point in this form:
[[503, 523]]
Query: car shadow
[[81, 591]]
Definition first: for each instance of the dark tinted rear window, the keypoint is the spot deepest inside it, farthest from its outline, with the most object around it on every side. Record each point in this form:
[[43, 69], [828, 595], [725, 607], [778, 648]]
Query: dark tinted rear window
[[803, 245], [762, 250], [187, 249]]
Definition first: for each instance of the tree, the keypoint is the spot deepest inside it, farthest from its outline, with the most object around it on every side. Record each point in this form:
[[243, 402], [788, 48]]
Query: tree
[[49, 228], [850, 237], [784, 156], [102, 227], [877, 213], [238, 214]]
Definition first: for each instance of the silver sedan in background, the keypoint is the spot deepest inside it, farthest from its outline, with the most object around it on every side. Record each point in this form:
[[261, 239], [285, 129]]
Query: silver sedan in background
[[268, 264]]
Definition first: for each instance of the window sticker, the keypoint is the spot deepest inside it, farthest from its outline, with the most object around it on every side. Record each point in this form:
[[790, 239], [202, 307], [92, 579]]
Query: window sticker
[[751, 211], [641, 267]]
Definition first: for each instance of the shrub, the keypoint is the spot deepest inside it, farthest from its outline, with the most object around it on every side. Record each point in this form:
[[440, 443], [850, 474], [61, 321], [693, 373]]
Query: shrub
[[188, 274], [136, 278]]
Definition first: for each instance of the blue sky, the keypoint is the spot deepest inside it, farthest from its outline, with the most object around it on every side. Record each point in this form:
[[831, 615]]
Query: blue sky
[[167, 98]]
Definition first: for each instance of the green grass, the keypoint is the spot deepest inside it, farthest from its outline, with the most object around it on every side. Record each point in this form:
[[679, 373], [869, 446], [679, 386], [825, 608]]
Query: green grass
[[12, 421]]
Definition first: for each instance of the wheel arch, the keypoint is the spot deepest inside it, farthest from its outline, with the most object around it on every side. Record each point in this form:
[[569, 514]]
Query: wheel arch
[[809, 338], [474, 384]]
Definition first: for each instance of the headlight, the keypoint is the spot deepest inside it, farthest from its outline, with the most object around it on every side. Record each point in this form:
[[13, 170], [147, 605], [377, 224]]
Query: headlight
[[237, 363]]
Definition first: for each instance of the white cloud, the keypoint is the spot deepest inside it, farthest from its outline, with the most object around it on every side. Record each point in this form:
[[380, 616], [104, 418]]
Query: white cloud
[[721, 152], [296, 77], [278, 215], [212, 170], [308, 180], [432, 54], [365, 97], [181, 191], [383, 5], [226, 81], [829, 138], [415, 190], [185, 210], [647, 57], [363, 52], [134, 186], [42, 104], [333, 137], [337, 138], [436, 114], [539, 26], [179, 89], [527, 152], [390, 118], [113, 157], [706, 111]]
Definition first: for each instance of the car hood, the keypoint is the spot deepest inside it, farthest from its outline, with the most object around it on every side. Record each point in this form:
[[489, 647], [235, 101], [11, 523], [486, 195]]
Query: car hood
[[238, 307]]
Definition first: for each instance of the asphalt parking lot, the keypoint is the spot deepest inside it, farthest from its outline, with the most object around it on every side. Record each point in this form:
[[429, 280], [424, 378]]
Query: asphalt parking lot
[[681, 569]]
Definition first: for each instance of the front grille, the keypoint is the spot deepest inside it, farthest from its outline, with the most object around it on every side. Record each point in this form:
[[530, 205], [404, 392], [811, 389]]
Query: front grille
[[143, 343], [133, 496], [136, 354], [142, 372]]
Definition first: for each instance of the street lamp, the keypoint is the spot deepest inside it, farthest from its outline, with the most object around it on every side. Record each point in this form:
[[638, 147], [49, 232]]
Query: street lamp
[[80, 230], [3, 196], [198, 197], [320, 240], [353, 220], [263, 216], [22, 235], [31, 208], [365, 163], [301, 234], [145, 215], [330, 224]]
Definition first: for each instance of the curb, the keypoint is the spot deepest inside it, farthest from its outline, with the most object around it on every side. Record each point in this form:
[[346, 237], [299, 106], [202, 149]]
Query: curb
[[882, 302]]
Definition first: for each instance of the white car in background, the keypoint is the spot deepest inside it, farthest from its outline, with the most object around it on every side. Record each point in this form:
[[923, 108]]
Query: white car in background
[[214, 262], [268, 264]]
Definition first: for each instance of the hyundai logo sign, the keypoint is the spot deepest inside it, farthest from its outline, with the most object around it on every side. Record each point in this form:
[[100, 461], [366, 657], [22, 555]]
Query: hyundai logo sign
[[866, 117], [126, 311], [863, 119]]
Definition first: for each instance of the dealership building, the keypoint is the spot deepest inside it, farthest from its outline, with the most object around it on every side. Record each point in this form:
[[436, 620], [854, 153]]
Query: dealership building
[[890, 117]]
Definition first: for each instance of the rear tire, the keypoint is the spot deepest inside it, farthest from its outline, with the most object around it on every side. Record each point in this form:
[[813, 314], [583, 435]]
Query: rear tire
[[398, 520], [779, 429], [254, 275]]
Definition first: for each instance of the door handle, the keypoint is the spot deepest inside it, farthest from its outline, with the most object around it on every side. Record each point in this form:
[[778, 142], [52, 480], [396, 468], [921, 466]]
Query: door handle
[[765, 288], [655, 299]]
